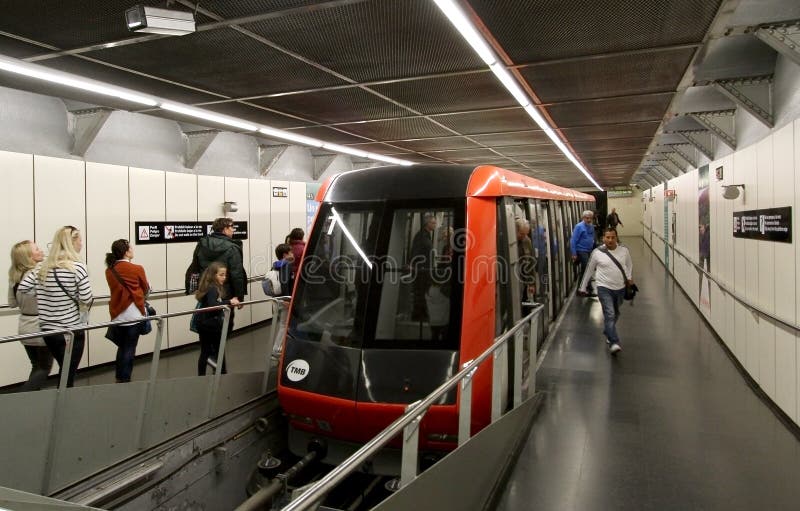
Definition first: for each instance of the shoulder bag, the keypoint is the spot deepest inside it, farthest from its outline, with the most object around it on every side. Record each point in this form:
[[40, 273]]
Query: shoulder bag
[[145, 327], [630, 289], [83, 310]]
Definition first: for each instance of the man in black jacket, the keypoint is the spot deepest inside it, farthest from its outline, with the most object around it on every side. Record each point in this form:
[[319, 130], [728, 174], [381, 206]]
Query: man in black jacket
[[220, 246]]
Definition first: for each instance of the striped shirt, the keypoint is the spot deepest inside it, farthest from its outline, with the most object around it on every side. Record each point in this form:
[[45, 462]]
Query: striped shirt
[[58, 309]]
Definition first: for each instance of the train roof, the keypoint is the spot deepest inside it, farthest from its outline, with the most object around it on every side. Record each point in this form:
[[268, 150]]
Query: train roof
[[438, 181]]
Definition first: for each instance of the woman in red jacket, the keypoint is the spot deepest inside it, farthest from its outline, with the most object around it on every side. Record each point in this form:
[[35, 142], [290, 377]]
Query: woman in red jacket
[[128, 285]]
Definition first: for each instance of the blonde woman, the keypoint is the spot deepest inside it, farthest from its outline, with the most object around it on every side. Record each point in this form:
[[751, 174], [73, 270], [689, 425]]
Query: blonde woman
[[62, 287], [25, 255]]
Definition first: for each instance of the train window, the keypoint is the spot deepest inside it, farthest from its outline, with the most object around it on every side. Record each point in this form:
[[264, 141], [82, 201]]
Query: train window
[[417, 298], [335, 277]]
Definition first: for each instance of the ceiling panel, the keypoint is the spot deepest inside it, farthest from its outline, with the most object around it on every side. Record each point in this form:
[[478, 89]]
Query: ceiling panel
[[376, 40], [224, 61], [11, 47], [550, 29], [530, 149], [616, 75], [511, 119], [396, 129], [524, 137], [636, 129], [434, 144], [610, 111], [258, 115], [474, 91], [334, 106]]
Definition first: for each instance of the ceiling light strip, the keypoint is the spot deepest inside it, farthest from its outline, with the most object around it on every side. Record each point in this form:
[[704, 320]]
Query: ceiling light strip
[[61, 78], [461, 22]]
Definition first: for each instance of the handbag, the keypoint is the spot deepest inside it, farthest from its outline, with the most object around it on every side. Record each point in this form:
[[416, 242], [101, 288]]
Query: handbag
[[194, 320], [191, 279], [146, 326], [83, 310], [630, 289]]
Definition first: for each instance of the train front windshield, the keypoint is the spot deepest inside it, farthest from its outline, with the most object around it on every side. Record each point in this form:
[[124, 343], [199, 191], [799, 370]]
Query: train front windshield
[[382, 276]]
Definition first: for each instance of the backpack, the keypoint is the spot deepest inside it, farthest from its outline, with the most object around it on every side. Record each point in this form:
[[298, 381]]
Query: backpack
[[192, 277], [272, 283]]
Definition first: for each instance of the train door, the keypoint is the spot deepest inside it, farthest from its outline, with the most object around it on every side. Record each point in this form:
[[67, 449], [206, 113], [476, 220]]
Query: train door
[[556, 275], [540, 261]]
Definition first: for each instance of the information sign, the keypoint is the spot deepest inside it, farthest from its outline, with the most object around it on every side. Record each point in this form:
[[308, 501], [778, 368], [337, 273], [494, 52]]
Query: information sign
[[148, 233], [773, 224]]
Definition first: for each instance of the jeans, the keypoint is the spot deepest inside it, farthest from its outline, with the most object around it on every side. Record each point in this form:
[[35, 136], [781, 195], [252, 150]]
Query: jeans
[[583, 259], [610, 300], [209, 348], [126, 337], [57, 346], [41, 363]]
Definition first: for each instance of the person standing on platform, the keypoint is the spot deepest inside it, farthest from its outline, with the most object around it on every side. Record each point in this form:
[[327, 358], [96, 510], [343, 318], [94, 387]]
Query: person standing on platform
[[582, 244], [128, 285], [421, 266], [613, 220], [611, 283], [295, 241], [283, 264], [219, 246], [25, 255], [527, 263], [63, 291], [212, 291]]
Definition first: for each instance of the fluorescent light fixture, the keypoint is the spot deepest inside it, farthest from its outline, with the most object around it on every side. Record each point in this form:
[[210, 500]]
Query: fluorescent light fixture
[[344, 149], [209, 116], [389, 159], [292, 137], [350, 237], [464, 25], [461, 22], [154, 20], [510, 83], [61, 78]]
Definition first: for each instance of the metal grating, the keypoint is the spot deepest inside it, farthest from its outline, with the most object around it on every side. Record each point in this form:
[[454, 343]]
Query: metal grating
[[513, 138], [639, 129], [616, 75], [376, 40], [397, 129], [330, 135], [436, 144], [376, 147], [529, 150], [531, 31], [449, 94], [240, 8], [257, 115], [466, 154], [125, 79], [492, 121], [18, 49], [612, 144], [618, 110], [223, 61], [335, 106]]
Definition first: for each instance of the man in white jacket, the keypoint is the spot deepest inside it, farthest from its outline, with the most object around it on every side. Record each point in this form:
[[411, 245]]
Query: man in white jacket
[[610, 280]]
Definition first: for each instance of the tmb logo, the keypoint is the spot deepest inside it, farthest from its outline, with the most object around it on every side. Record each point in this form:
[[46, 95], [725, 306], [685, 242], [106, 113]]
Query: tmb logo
[[297, 370]]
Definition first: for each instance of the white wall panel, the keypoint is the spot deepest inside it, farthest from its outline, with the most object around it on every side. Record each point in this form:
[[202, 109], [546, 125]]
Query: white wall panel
[[59, 200], [147, 191], [765, 263], [297, 206], [280, 214], [106, 220], [786, 371], [16, 170], [261, 249], [236, 190], [182, 204]]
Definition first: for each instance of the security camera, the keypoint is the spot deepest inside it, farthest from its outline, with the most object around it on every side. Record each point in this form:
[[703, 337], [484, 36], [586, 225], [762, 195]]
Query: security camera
[[142, 18]]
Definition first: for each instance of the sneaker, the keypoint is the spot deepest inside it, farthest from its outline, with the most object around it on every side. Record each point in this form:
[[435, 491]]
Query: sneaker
[[608, 342], [615, 348]]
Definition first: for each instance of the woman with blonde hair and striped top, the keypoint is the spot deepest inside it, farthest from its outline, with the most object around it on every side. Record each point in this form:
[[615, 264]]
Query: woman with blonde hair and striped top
[[62, 288], [25, 255]]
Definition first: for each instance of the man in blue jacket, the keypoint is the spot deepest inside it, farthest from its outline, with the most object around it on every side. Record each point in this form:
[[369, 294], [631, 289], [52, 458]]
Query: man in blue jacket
[[582, 244]]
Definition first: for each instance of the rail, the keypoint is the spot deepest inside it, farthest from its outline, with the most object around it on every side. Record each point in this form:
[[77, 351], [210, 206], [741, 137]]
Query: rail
[[5, 307], [146, 404], [725, 289], [409, 422]]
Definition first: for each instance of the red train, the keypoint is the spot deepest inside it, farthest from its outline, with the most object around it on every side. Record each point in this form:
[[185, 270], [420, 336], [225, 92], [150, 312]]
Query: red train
[[409, 273]]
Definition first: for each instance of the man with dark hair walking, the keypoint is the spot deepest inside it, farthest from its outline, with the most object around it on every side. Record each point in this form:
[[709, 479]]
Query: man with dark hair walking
[[612, 221]]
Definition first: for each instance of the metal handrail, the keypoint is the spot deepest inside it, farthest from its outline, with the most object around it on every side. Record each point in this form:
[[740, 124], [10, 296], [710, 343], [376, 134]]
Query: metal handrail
[[412, 415], [250, 280], [785, 322], [146, 403]]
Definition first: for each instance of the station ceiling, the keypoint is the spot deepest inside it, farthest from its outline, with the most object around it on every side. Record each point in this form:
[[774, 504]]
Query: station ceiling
[[394, 76]]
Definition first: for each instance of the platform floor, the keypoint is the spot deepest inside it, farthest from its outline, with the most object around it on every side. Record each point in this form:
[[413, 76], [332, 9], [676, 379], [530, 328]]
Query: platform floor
[[669, 424]]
